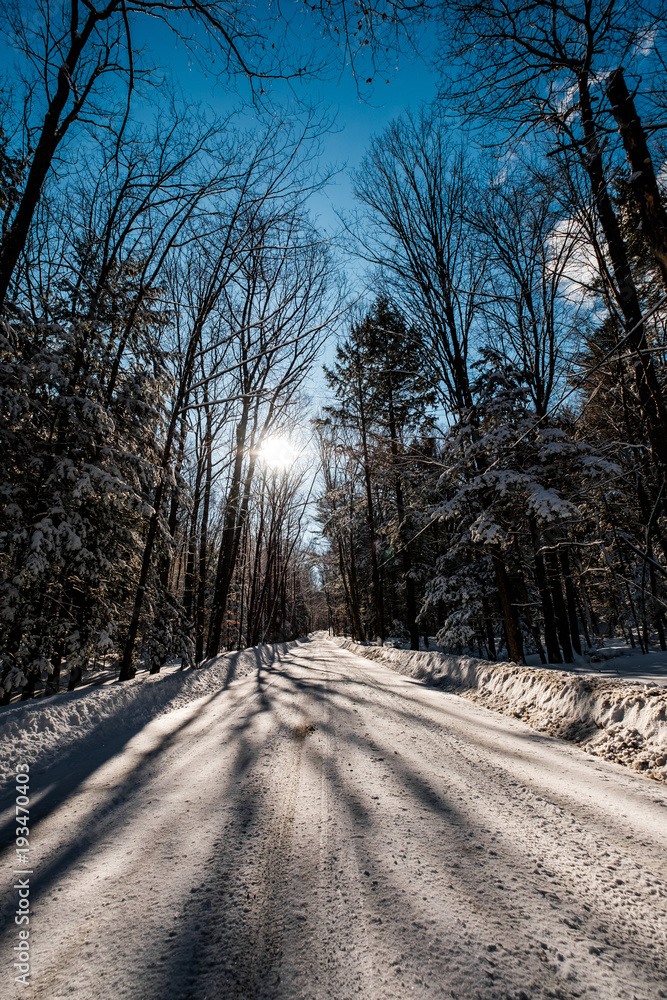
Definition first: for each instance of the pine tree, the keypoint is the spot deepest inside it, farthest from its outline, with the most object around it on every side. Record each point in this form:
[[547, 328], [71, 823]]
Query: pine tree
[[385, 398]]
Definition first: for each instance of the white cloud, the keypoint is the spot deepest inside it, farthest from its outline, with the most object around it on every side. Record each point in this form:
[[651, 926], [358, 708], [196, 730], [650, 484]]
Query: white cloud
[[581, 269], [645, 41]]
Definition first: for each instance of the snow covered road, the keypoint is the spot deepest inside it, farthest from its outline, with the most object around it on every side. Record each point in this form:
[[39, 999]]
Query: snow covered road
[[330, 828]]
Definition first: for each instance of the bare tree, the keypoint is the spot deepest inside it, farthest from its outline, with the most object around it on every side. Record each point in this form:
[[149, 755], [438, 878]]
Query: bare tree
[[548, 60], [336, 507], [277, 314], [276, 545], [223, 244], [419, 198], [643, 181], [81, 66], [531, 311]]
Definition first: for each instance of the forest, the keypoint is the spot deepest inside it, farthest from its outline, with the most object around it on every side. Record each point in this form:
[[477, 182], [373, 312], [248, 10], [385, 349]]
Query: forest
[[488, 467]]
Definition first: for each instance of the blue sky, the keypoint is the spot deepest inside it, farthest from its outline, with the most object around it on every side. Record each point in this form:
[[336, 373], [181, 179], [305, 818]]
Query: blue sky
[[406, 83]]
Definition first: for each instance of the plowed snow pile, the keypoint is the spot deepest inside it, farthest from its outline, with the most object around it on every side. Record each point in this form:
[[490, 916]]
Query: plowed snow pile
[[623, 722], [34, 731]]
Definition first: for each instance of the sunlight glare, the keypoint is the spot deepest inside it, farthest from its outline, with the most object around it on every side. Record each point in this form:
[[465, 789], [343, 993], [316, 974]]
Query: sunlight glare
[[277, 452]]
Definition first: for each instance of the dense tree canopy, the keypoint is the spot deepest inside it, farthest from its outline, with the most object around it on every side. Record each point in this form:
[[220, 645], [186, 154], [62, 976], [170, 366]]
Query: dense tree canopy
[[489, 463]]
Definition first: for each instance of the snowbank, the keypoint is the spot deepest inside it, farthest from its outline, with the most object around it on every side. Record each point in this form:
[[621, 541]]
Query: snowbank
[[34, 731], [623, 722]]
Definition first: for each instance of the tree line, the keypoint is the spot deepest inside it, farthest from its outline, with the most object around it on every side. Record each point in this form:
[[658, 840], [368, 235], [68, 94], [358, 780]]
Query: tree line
[[163, 296], [494, 453]]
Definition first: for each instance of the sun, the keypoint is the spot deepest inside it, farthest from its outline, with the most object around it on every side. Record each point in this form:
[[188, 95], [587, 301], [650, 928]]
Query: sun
[[277, 452]]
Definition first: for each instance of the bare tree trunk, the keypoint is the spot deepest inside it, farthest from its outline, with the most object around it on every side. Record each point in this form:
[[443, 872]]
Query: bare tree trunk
[[378, 610], [560, 608], [510, 617], [643, 182], [658, 615], [534, 630], [225, 568], [191, 554], [245, 552], [354, 586], [631, 603], [172, 523], [127, 669], [346, 589], [410, 595], [550, 636], [52, 133], [571, 600], [648, 387], [200, 594], [254, 623]]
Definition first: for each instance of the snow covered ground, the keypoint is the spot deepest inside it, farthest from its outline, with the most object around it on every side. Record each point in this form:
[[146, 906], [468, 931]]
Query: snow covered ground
[[35, 731], [326, 827], [619, 719], [615, 659]]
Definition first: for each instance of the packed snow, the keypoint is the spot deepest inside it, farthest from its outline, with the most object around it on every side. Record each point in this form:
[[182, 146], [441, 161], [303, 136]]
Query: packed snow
[[327, 828]]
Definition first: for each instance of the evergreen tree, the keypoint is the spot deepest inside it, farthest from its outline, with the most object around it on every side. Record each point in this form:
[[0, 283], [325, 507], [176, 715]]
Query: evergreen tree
[[385, 399]]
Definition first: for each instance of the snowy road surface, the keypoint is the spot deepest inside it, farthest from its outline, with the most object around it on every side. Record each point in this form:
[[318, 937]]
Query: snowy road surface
[[329, 828]]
